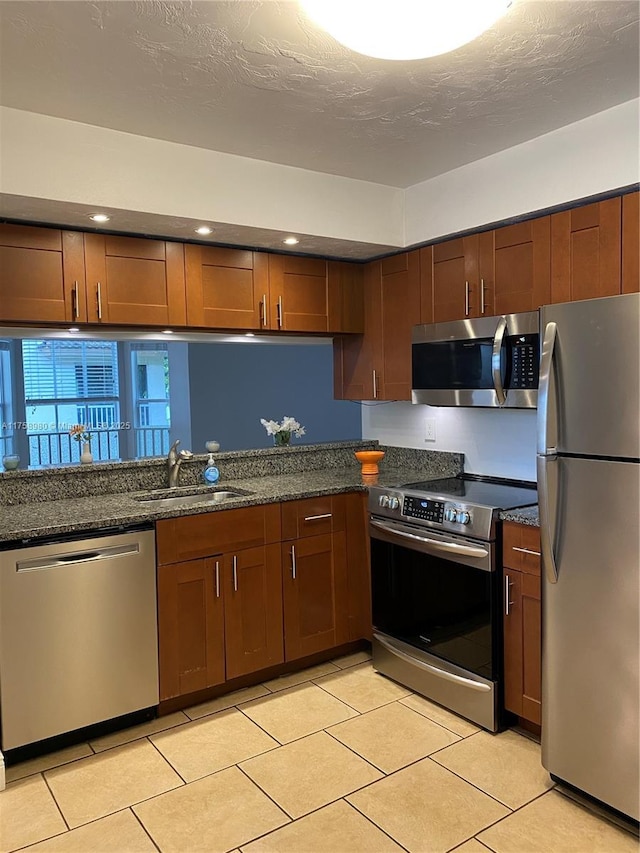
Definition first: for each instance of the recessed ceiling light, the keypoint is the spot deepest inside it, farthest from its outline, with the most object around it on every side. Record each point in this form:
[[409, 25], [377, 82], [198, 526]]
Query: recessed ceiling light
[[204, 229], [167, 331], [291, 241], [100, 217], [406, 29]]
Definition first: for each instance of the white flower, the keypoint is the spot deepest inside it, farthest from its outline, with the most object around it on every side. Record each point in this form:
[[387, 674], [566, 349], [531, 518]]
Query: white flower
[[287, 424]]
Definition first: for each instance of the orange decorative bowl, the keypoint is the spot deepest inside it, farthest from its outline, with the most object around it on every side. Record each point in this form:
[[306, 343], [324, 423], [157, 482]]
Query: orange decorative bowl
[[369, 460]]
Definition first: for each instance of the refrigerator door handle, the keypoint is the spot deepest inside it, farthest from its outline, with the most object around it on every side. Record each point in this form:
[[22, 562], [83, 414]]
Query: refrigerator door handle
[[547, 519], [496, 373], [546, 366]]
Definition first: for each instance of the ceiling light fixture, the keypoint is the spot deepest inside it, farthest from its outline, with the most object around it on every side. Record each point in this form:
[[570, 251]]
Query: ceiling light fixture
[[100, 217], [204, 230], [291, 241], [404, 29]]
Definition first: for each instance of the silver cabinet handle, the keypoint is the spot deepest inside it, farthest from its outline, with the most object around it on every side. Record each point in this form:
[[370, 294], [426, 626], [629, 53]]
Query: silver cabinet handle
[[482, 296], [466, 299], [235, 573], [507, 592], [99, 299], [375, 385], [263, 311], [317, 517], [496, 373], [217, 579], [76, 307], [279, 312], [293, 562], [526, 551]]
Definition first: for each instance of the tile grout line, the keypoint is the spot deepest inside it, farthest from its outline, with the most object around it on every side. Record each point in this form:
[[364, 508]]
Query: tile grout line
[[58, 806], [145, 830], [471, 734], [164, 758], [379, 828], [473, 785]]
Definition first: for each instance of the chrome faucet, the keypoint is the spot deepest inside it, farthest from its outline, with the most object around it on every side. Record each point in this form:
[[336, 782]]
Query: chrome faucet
[[174, 461]]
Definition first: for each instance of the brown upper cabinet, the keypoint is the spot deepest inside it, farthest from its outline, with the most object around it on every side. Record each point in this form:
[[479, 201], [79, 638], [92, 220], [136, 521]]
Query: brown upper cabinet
[[226, 288], [460, 267], [133, 281], [240, 289], [377, 366], [631, 243], [41, 275], [586, 251]]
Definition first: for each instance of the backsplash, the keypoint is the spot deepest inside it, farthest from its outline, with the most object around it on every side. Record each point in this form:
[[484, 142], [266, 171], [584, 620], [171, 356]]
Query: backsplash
[[80, 481], [497, 443]]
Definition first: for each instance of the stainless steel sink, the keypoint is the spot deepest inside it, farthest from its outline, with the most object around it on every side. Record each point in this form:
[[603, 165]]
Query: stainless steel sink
[[204, 498]]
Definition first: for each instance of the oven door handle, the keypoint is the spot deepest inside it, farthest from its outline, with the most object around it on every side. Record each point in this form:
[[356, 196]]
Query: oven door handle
[[434, 670], [435, 544]]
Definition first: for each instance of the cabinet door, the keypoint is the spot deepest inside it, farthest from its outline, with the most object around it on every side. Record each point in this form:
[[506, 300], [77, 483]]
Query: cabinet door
[[312, 516], [190, 627], [399, 313], [226, 288], [346, 297], [253, 610], [521, 279], [586, 251], [521, 547], [522, 645], [315, 594], [631, 243], [355, 376], [455, 276], [133, 281], [41, 275], [299, 294]]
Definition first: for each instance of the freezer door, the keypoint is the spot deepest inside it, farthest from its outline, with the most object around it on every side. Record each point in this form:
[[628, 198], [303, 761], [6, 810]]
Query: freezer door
[[594, 394], [590, 659]]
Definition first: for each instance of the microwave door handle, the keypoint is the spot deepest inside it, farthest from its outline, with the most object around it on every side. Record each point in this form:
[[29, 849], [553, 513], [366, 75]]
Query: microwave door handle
[[496, 371]]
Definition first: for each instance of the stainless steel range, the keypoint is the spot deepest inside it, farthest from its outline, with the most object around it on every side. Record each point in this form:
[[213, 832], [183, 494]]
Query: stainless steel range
[[437, 588]]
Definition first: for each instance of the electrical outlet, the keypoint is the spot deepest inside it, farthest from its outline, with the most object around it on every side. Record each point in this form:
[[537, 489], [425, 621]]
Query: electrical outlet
[[430, 429]]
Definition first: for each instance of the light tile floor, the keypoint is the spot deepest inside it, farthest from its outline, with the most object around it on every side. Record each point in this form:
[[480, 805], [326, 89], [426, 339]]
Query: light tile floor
[[336, 759]]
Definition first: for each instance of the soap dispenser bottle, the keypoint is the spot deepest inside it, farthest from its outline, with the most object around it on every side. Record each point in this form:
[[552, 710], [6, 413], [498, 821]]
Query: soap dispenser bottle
[[211, 472]]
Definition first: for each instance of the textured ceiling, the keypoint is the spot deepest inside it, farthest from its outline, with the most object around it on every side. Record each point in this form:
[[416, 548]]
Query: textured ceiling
[[257, 79]]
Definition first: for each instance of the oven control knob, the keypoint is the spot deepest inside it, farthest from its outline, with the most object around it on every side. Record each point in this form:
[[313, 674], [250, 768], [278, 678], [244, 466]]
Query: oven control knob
[[383, 500], [463, 517], [450, 514], [394, 503]]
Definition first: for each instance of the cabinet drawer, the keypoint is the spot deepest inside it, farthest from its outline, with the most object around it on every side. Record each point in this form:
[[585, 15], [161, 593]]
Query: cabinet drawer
[[521, 547], [312, 517], [191, 537]]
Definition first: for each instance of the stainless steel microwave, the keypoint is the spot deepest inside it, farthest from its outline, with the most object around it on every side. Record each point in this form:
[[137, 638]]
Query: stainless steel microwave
[[489, 361]]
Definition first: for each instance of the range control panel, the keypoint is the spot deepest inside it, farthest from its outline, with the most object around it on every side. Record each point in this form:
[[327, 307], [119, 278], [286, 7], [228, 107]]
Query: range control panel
[[423, 508]]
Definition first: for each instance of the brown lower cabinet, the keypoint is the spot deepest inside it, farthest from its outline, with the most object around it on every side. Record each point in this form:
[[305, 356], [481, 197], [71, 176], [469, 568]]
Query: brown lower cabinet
[[522, 621], [228, 614]]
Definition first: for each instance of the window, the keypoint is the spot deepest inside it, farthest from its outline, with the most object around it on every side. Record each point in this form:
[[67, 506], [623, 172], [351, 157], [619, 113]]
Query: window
[[6, 408], [152, 413]]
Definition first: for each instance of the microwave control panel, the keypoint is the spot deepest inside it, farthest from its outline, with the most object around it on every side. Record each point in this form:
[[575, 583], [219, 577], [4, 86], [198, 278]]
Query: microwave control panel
[[524, 361]]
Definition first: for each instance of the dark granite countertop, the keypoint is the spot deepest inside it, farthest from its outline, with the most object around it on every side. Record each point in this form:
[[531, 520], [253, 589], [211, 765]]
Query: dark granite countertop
[[526, 515], [75, 515]]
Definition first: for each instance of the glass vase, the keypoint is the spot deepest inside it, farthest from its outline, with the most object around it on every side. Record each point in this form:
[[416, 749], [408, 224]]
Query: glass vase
[[282, 438]]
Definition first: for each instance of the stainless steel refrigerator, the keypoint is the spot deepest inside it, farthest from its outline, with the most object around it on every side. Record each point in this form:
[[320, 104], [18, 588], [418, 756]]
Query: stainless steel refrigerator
[[589, 496]]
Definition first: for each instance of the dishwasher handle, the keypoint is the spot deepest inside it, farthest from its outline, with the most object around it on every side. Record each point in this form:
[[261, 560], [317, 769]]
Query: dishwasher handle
[[57, 561]]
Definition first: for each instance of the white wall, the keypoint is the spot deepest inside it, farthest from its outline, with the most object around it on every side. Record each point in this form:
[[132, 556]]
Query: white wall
[[43, 157], [596, 154], [496, 443]]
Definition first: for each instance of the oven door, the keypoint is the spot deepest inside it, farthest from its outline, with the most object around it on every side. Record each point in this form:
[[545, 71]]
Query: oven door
[[436, 616]]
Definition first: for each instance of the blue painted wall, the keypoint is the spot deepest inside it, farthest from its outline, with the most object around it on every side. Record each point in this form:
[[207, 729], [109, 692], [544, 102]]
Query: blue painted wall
[[233, 385]]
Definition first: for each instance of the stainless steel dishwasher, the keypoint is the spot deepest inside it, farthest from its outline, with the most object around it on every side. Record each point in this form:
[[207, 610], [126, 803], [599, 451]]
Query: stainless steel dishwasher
[[78, 634]]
